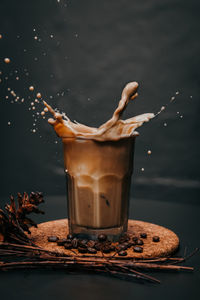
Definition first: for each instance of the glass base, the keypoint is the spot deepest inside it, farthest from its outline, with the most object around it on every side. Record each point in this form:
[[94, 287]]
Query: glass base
[[113, 233]]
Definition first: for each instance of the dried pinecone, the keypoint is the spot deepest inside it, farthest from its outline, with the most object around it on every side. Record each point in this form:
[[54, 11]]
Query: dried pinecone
[[14, 222]]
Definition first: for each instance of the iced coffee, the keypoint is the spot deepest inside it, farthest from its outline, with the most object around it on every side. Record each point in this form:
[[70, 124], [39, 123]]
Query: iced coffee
[[98, 165], [98, 180]]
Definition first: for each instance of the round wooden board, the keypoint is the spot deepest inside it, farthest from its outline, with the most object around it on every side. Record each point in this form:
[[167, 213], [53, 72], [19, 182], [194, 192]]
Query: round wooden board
[[168, 244]]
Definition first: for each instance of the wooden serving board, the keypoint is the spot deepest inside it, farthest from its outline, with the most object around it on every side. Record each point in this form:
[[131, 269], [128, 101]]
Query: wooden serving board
[[168, 244]]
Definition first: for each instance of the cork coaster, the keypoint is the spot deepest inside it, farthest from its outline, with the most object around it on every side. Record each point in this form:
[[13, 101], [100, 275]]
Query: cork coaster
[[167, 245]]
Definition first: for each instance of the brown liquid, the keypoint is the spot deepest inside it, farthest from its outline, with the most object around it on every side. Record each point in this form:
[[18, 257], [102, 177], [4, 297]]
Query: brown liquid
[[99, 167]]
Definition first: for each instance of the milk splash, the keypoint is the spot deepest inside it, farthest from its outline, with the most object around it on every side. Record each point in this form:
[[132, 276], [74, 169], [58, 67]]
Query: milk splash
[[114, 129]]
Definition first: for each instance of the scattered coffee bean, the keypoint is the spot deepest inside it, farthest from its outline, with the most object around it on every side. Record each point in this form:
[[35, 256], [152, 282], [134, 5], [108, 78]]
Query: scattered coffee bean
[[156, 239], [98, 246], [112, 248], [70, 236], [139, 242], [61, 242], [143, 235], [91, 243], [122, 253], [82, 243], [82, 250], [106, 249], [138, 249], [68, 246], [128, 245], [121, 247], [135, 238], [124, 238], [91, 250], [102, 237], [75, 243], [52, 238], [68, 240]]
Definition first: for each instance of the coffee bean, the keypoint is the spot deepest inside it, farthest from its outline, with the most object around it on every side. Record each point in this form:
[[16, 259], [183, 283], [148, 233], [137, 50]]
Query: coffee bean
[[139, 242], [112, 248], [68, 246], [156, 239], [70, 236], [102, 237], [82, 243], [106, 249], [98, 246], [91, 250], [138, 249], [91, 243], [122, 253], [143, 235], [128, 245], [121, 247], [52, 238], [124, 238], [82, 250], [68, 240], [135, 238], [75, 243], [61, 242]]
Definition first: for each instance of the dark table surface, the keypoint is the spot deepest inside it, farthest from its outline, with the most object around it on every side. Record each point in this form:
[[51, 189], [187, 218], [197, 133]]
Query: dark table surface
[[183, 219]]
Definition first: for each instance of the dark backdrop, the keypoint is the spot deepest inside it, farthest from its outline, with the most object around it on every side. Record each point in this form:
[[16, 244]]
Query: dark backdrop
[[84, 54]]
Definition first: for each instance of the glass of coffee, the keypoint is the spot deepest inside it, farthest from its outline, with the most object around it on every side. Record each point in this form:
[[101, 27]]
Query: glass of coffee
[[98, 175]]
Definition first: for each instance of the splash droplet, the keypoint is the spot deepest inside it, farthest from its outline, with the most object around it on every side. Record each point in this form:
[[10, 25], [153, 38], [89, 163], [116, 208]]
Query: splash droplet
[[142, 169], [7, 60], [39, 95], [165, 124], [31, 88], [9, 123], [149, 152], [46, 109]]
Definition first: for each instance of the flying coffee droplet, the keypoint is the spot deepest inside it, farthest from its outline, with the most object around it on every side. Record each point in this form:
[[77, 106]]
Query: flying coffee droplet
[[7, 60], [177, 93], [31, 88], [33, 107], [0, 36], [32, 103], [165, 124], [38, 95], [9, 123], [149, 152], [43, 113], [45, 109], [142, 169]]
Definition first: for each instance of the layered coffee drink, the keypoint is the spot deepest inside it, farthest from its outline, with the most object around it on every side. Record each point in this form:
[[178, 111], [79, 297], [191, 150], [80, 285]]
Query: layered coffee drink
[[98, 165]]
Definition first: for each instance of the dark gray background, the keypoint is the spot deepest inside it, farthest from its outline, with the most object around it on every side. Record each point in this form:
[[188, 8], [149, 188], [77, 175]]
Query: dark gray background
[[97, 47]]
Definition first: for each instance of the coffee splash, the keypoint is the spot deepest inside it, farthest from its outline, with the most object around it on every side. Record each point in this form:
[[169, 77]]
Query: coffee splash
[[114, 129]]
